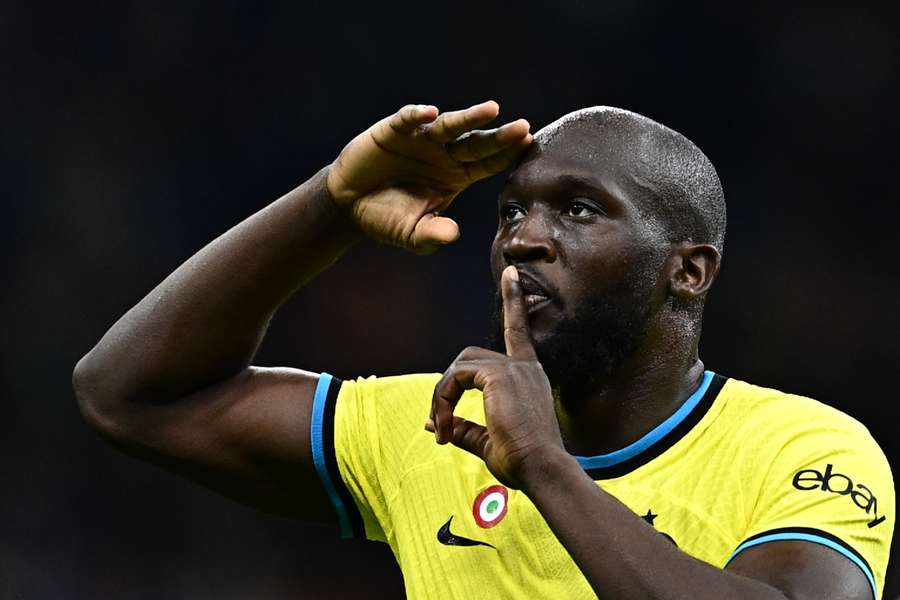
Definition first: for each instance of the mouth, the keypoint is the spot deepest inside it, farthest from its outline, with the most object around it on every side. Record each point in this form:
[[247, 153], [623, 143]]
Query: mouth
[[536, 295]]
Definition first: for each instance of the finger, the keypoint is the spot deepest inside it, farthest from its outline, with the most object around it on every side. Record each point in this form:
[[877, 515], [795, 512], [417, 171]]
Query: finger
[[450, 125], [471, 353], [447, 392], [516, 333], [477, 145], [497, 162], [433, 231], [470, 436], [412, 116], [467, 435], [446, 395]]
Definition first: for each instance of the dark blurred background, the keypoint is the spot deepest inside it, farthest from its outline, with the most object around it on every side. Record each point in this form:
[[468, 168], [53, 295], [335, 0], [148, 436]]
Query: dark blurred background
[[134, 133]]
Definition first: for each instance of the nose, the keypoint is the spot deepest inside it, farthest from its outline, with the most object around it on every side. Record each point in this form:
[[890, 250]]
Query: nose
[[531, 239]]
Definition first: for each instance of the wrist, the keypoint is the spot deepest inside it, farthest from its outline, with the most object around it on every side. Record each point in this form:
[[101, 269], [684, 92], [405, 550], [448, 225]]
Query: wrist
[[339, 212], [546, 469], [337, 191], [328, 185]]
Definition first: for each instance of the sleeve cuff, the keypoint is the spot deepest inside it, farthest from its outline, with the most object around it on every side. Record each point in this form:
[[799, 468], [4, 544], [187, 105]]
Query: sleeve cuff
[[325, 459], [815, 536]]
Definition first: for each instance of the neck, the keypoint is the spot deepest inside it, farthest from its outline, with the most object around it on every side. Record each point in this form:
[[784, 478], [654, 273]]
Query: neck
[[624, 406]]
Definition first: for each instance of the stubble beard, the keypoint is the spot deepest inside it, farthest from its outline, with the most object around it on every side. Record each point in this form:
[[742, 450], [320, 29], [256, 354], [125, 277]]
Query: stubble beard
[[594, 341]]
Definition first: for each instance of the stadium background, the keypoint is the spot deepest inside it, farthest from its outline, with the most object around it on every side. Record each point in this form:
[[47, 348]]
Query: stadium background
[[134, 133]]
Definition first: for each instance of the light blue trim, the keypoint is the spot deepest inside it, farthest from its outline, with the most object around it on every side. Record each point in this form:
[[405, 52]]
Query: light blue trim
[[651, 437], [318, 452], [807, 537]]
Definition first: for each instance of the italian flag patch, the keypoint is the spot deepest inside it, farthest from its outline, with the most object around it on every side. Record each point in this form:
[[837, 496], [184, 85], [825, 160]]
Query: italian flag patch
[[489, 507]]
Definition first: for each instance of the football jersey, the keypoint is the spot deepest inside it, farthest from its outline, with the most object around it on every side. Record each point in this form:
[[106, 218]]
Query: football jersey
[[734, 467]]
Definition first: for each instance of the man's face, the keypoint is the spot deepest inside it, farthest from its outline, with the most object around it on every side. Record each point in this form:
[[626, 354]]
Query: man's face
[[588, 264]]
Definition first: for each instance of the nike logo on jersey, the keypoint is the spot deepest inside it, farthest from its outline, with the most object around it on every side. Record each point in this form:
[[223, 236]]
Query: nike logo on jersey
[[448, 538]]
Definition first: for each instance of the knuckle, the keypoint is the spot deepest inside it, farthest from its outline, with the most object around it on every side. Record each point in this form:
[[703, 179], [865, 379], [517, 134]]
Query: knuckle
[[514, 330], [439, 386], [435, 395], [467, 353]]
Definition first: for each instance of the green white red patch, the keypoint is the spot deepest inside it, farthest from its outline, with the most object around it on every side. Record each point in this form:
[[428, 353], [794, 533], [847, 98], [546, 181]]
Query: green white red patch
[[489, 507]]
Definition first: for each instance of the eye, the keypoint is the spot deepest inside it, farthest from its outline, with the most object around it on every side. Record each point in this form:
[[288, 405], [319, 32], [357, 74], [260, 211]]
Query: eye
[[581, 209], [511, 212]]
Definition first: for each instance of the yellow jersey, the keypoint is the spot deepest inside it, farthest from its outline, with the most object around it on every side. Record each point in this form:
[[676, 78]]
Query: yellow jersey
[[735, 466]]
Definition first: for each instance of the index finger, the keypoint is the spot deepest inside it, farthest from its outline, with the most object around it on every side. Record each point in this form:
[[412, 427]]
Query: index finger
[[450, 125], [478, 145], [516, 332]]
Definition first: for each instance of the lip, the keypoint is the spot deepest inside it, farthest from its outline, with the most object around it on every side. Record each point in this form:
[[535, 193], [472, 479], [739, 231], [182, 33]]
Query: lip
[[536, 292], [534, 302]]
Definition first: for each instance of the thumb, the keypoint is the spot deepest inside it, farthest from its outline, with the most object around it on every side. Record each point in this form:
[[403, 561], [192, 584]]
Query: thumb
[[433, 231], [467, 435]]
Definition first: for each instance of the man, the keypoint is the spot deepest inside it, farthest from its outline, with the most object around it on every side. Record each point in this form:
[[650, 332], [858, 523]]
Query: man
[[593, 455]]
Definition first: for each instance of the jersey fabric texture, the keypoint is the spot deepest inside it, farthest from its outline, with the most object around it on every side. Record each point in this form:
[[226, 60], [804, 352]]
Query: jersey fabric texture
[[736, 466]]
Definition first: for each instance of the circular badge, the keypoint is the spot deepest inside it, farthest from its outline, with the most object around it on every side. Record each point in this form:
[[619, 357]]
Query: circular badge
[[489, 507]]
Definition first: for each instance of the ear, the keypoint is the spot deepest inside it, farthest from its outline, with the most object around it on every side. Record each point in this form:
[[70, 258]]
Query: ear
[[692, 269]]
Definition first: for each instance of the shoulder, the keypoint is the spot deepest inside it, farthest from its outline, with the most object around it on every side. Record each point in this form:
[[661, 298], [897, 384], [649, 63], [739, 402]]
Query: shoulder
[[399, 400], [402, 396], [409, 386], [779, 437], [777, 416]]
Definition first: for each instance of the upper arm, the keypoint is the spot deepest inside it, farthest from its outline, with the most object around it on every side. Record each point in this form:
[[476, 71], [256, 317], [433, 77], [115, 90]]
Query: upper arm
[[247, 437], [803, 569]]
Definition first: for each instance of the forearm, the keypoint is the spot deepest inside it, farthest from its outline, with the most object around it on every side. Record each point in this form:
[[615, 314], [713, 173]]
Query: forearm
[[205, 321], [619, 554]]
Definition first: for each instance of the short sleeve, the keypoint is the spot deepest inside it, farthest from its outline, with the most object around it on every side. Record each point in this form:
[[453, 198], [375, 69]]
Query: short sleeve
[[828, 484], [366, 427]]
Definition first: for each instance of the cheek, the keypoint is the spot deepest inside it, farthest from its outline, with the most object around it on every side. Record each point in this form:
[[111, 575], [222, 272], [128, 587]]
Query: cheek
[[597, 263], [609, 272]]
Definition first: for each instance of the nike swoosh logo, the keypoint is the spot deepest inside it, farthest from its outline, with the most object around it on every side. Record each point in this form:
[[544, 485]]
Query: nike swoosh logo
[[448, 538]]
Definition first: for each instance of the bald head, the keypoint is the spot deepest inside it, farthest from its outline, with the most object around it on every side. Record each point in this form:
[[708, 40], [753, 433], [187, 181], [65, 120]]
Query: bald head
[[672, 183]]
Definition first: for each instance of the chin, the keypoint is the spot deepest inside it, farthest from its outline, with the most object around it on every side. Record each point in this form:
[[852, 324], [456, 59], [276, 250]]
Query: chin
[[582, 347], [580, 352]]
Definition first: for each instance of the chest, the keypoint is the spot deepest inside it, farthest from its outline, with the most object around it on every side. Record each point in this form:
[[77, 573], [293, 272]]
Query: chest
[[450, 516]]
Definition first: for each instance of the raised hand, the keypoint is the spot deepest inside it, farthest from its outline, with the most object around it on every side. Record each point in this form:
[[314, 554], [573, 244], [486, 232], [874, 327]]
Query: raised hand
[[401, 173], [521, 426]]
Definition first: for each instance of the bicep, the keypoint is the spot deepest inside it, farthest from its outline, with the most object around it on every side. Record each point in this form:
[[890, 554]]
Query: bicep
[[802, 569], [247, 437]]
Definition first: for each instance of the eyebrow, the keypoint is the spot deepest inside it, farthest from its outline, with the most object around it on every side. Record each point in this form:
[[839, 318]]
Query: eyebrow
[[610, 197], [568, 179], [564, 179], [576, 181]]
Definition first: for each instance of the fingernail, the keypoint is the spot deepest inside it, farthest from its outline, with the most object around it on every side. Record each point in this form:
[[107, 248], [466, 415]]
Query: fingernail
[[513, 273]]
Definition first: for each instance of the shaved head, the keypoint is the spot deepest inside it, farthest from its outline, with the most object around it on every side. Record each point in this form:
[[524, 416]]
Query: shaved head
[[674, 185]]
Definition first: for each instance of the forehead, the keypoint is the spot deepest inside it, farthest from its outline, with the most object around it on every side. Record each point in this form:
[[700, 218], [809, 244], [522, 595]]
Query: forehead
[[573, 158]]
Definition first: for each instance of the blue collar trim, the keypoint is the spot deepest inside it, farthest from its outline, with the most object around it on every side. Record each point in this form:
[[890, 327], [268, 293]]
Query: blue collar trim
[[651, 437]]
